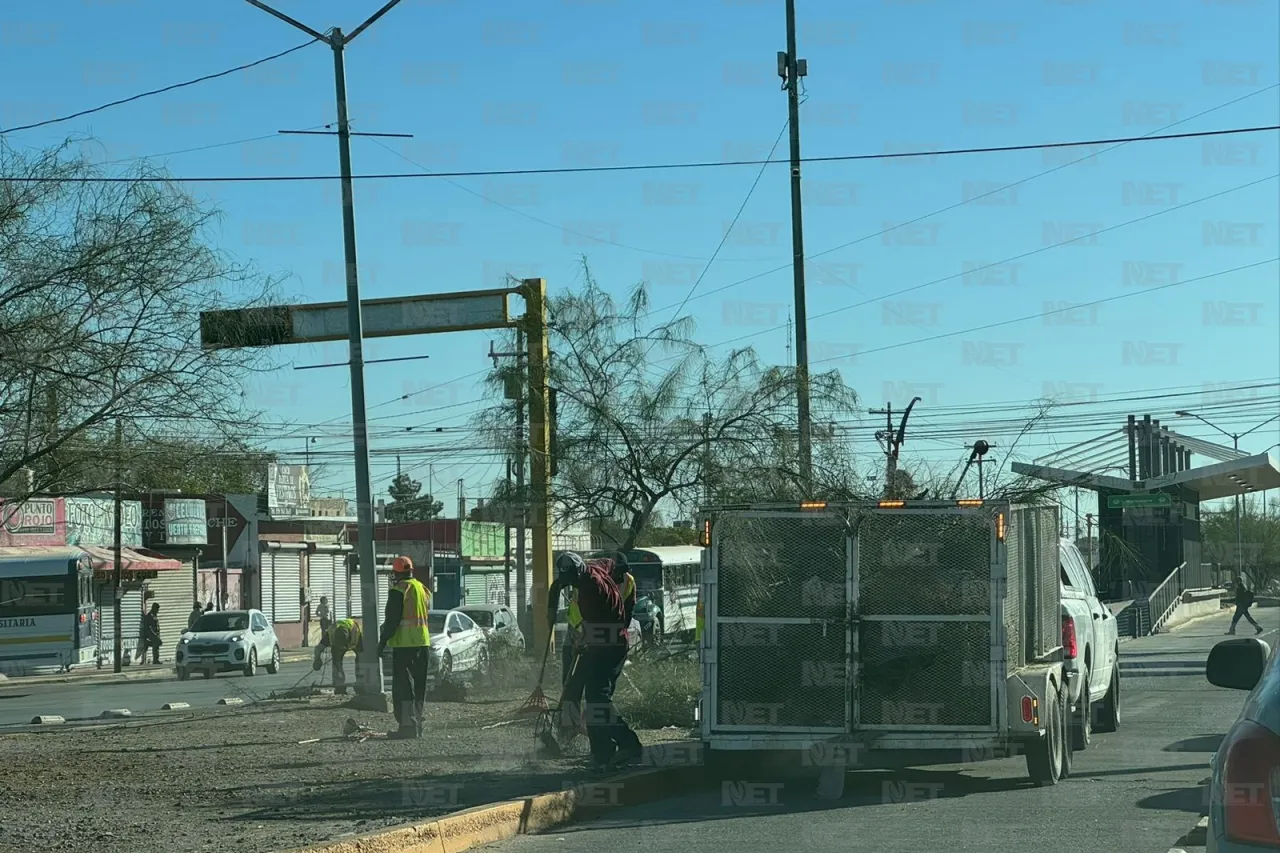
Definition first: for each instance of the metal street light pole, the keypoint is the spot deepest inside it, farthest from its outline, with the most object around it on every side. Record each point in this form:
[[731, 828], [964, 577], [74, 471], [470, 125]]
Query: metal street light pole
[[1239, 500], [370, 678]]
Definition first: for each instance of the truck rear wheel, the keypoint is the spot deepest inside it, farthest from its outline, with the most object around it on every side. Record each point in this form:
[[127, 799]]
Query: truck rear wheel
[[1109, 709], [1046, 756], [1082, 724]]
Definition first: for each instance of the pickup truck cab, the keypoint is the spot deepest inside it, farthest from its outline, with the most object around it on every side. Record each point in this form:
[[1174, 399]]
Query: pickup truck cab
[[1092, 650]]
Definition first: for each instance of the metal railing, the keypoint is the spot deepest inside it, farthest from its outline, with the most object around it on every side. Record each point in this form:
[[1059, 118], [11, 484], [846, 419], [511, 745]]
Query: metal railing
[[1165, 598]]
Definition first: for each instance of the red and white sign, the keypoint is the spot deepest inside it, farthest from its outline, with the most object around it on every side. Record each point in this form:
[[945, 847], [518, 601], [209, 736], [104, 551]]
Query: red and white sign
[[38, 521]]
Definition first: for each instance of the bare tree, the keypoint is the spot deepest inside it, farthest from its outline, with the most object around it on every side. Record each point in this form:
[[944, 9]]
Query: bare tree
[[647, 417], [101, 287]]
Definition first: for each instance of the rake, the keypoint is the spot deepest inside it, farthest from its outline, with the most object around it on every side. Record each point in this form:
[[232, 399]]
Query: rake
[[537, 703]]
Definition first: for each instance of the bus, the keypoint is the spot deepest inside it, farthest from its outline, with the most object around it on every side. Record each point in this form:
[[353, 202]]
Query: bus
[[671, 575], [48, 616]]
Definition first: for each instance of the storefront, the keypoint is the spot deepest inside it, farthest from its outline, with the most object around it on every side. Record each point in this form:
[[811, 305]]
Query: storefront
[[146, 578]]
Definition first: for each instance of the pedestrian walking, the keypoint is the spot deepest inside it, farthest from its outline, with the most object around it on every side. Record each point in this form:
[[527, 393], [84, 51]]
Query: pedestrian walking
[[1244, 600], [613, 743], [304, 602], [322, 613], [196, 612], [150, 635], [405, 631]]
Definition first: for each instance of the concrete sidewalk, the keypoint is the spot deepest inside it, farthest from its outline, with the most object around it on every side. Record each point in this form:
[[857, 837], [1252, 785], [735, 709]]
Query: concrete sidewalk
[[131, 673]]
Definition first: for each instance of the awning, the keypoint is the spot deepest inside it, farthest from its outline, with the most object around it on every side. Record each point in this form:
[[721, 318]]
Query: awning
[[131, 560], [1227, 479]]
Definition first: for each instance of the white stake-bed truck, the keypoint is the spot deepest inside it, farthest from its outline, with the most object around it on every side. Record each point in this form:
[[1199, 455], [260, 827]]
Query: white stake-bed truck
[[884, 634]]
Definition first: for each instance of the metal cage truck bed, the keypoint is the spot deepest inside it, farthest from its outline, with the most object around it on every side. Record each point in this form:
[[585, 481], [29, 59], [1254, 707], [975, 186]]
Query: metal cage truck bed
[[889, 634]]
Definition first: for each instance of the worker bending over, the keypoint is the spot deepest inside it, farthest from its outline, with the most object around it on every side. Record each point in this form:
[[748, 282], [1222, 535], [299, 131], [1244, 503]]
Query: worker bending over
[[343, 636], [405, 632], [604, 650]]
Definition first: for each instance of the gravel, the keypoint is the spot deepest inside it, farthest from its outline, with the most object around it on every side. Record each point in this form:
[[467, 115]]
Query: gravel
[[238, 778]]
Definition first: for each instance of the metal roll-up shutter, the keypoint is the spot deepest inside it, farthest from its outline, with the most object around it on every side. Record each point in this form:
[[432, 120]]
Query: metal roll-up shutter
[[266, 579], [356, 599], [172, 590], [320, 579], [287, 582], [475, 587], [130, 618], [341, 588], [384, 587]]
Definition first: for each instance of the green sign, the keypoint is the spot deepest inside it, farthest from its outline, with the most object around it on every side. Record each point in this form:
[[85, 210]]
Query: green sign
[[1152, 499]]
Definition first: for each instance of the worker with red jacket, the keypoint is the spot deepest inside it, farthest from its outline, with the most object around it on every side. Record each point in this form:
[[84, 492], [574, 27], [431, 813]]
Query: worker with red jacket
[[604, 651]]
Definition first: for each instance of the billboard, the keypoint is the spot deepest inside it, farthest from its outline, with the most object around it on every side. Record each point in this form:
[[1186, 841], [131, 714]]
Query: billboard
[[185, 522], [91, 521], [38, 521], [288, 490]]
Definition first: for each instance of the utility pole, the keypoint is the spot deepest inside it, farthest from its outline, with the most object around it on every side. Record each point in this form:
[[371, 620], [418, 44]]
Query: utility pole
[[515, 391], [462, 502], [224, 577], [117, 664], [791, 69], [370, 680], [706, 459], [1088, 520], [894, 442], [506, 541]]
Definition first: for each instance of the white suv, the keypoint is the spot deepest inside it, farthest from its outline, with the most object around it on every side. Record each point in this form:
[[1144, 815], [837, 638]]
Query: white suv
[[228, 640]]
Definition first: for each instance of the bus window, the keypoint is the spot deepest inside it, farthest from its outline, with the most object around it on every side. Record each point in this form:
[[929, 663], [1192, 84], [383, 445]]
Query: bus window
[[34, 596]]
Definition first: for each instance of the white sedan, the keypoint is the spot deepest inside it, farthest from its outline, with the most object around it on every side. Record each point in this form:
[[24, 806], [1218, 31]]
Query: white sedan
[[228, 640], [457, 645]]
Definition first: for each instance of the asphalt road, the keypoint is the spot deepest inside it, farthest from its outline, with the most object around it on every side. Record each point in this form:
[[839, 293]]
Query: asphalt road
[[1137, 790], [20, 701]]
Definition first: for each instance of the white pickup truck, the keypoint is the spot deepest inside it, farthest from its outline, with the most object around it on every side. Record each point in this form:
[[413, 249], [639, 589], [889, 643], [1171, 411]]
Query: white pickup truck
[[1091, 650]]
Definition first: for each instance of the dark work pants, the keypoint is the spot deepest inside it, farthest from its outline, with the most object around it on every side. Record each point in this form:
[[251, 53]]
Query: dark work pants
[[606, 728], [574, 683], [409, 684], [1243, 611]]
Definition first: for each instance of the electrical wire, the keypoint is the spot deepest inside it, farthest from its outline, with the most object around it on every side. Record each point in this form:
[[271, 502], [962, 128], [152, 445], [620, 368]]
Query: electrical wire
[[562, 229], [971, 200], [1042, 314], [656, 167], [153, 92]]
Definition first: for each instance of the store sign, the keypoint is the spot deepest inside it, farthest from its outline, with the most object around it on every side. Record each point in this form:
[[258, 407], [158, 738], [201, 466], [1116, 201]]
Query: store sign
[[185, 522], [33, 518], [288, 490], [39, 521], [91, 521]]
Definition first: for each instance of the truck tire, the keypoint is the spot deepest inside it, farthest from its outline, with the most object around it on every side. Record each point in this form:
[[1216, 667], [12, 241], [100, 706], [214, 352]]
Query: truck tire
[[1082, 719], [1045, 754], [1108, 719]]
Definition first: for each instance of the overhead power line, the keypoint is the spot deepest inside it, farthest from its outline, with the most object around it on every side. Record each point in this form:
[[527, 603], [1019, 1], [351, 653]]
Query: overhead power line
[[658, 167], [141, 95]]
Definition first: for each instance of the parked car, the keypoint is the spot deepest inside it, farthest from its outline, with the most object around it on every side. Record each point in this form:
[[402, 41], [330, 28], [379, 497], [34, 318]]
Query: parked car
[[228, 640], [457, 644], [497, 623], [1092, 644], [1244, 798]]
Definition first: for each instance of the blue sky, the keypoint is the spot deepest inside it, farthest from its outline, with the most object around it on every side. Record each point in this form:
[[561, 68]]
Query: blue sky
[[502, 85]]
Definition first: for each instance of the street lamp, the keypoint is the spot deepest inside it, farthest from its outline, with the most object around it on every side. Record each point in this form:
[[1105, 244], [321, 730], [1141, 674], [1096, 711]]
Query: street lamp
[[1235, 444]]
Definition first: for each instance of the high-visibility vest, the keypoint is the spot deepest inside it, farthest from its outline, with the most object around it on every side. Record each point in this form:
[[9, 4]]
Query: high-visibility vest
[[573, 615], [345, 633], [412, 632], [628, 586]]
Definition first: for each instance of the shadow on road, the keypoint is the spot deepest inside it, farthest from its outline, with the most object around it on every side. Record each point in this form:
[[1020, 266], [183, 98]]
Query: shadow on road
[[1191, 800], [1203, 743]]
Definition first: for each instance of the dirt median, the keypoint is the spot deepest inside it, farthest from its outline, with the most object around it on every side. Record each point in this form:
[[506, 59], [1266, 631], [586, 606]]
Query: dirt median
[[241, 779]]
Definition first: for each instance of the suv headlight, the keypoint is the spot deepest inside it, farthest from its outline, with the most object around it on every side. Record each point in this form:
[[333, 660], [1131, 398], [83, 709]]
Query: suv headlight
[[238, 638]]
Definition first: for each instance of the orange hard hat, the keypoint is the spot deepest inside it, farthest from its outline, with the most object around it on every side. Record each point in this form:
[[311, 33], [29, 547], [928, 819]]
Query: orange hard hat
[[402, 565]]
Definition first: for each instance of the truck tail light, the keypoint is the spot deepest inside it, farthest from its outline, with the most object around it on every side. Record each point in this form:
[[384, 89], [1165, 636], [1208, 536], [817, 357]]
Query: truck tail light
[[1069, 645], [1251, 785]]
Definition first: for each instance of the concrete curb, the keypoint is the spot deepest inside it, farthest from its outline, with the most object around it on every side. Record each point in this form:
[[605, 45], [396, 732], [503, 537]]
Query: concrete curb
[[174, 706], [146, 674], [47, 720], [487, 824], [230, 700]]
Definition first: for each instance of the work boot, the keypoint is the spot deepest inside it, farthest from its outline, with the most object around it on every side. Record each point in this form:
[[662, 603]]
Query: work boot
[[626, 757], [409, 732]]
